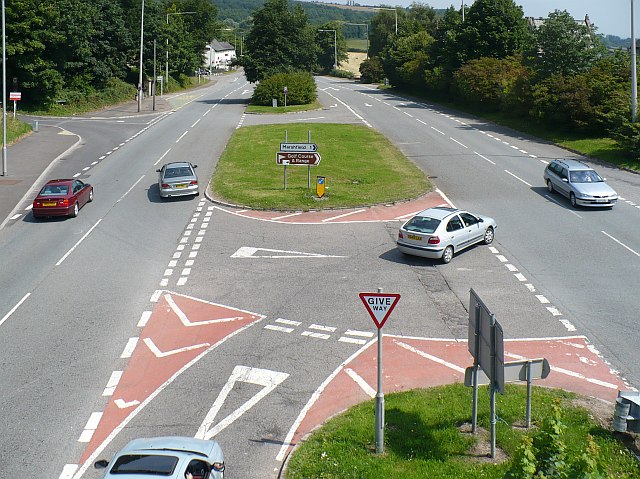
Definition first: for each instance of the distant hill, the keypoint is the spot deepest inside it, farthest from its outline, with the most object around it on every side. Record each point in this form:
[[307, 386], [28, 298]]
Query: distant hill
[[237, 13]]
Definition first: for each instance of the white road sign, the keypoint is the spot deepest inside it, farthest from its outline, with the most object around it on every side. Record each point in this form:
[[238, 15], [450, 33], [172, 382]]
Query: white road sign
[[296, 147]]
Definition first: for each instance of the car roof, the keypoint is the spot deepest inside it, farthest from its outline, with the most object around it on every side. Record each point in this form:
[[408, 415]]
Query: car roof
[[573, 164], [170, 443], [59, 182], [178, 164], [438, 212]]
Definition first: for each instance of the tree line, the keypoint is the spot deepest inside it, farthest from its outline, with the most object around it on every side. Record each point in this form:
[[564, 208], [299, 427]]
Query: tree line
[[66, 49]]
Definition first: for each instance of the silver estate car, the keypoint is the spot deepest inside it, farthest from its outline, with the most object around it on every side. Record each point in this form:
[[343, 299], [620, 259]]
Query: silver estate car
[[178, 179], [440, 232], [170, 457], [581, 184]]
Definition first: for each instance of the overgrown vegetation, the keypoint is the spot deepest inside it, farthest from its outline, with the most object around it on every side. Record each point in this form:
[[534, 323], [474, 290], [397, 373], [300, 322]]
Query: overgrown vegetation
[[301, 89], [427, 434]]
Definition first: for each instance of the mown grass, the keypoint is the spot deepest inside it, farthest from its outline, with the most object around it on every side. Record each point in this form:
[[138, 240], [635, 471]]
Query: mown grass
[[427, 436], [16, 129], [360, 165]]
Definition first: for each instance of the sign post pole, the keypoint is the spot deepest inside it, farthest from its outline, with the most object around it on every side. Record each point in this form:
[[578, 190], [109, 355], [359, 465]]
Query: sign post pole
[[379, 306]]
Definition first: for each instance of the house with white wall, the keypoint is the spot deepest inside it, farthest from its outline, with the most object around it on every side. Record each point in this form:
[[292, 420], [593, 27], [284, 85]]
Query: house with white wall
[[219, 55]]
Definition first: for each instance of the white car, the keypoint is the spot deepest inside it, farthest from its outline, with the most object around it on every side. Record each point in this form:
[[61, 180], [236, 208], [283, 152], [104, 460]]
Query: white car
[[440, 232], [171, 457]]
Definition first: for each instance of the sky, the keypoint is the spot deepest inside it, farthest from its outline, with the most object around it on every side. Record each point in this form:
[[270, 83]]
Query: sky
[[611, 17]]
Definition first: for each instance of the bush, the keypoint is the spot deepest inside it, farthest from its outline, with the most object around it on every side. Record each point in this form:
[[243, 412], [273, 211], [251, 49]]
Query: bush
[[341, 73], [371, 70], [627, 136], [301, 89]]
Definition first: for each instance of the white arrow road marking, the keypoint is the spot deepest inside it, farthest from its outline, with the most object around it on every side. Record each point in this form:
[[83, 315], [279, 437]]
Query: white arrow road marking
[[244, 92], [250, 252], [123, 404], [159, 354], [366, 104], [262, 377], [183, 317]]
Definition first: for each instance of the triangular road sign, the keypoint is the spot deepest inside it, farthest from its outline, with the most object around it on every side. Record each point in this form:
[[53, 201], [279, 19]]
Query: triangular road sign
[[379, 305]]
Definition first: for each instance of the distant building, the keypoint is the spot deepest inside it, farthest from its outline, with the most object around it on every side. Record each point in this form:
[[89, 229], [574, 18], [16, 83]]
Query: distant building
[[535, 23], [219, 55]]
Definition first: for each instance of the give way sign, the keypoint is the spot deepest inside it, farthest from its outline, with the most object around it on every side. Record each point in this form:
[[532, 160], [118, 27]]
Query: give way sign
[[379, 305]]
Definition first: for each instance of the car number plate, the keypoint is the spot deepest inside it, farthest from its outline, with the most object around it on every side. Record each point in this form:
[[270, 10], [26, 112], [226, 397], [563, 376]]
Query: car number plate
[[49, 203], [415, 237], [181, 185], [600, 200]]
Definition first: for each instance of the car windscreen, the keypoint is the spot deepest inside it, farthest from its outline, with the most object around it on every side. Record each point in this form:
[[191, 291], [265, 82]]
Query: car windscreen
[[54, 190], [422, 224], [178, 172], [152, 464], [585, 176]]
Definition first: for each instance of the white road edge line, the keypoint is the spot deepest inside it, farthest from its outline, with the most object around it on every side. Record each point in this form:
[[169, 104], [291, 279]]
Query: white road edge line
[[518, 178], [620, 243], [129, 190], [13, 310]]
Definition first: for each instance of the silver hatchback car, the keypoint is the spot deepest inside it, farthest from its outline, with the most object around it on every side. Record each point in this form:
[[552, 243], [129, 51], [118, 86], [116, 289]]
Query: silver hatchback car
[[440, 232], [581, 184], [178, 179]]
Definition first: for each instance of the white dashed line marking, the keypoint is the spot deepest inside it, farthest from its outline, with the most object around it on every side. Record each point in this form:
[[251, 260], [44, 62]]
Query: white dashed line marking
[[278, 328], [112, 383], [128, 349]]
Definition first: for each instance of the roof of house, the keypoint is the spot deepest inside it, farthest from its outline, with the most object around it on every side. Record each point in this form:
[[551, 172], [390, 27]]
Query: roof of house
[[221, 46]]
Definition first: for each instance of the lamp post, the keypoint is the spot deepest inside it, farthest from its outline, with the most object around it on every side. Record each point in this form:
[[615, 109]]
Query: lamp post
[[396, 12], [335, 47], [4, 97], [140, 86], [634, 80], [365, 25], [166, 77]]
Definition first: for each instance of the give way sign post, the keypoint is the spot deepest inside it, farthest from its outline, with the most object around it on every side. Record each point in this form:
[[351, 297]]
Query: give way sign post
[[379, 307]]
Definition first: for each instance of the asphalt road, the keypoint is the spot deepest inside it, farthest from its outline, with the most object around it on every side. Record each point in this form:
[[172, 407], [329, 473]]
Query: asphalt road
[[143, 317]]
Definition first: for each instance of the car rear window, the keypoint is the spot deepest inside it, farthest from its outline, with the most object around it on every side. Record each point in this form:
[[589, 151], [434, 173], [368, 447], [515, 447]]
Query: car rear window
[[54, 190], [178, 172], [422, 224], [151, 464]]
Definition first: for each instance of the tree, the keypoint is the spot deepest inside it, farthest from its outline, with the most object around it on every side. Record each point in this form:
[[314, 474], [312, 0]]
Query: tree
[[280, 40], [561, 46], [327, 49], [492, 28], [406, 58]]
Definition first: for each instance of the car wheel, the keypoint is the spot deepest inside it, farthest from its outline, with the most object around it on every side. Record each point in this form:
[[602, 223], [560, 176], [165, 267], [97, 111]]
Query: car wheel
[[90, 196], [74, 213], [572, 199], [447, 255], [488, 235], [550, 187]]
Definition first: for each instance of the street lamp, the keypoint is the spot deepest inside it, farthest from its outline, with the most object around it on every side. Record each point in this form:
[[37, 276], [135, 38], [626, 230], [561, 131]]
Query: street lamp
[[4, 97], [396, 12], [141, 46], [634, 84], [365, 25], [166, 79], [335, 47]]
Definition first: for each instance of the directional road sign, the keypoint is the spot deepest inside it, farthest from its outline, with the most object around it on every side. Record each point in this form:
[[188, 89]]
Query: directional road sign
[[379, 306], [294, 147], [290, 158]]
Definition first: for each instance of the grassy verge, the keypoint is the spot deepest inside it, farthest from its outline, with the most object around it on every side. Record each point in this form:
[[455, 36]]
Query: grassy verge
[[360, 165], [282, 109], [16, 129], [427, 435]]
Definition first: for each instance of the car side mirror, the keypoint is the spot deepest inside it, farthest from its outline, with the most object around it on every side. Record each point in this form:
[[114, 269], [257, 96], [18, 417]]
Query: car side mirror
[[158, 171], [480, 220], [195, 166], [101, 464], [566, 180]]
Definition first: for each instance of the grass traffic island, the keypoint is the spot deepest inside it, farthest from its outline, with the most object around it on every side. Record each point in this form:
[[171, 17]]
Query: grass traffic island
[[360, 165], [428, 435]]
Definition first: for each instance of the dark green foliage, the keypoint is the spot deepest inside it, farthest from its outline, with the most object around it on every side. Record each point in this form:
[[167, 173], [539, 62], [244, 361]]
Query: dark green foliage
[[327, 43], [371, 70], [627, 136], [281, 40], [301, 89]]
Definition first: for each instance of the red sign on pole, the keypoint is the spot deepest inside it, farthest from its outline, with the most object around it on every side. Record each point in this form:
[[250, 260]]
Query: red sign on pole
[[379, 306], [15, 95]]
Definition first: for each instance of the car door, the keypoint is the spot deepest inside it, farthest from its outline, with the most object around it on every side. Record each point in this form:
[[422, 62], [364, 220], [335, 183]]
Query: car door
[[457, 234], [474, 228], [563, 185], [81, 192]]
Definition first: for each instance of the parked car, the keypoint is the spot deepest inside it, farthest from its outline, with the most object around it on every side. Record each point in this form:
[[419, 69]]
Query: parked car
[[440, 232], [580, 183], [178, 179], [62, 198], [169, 457]]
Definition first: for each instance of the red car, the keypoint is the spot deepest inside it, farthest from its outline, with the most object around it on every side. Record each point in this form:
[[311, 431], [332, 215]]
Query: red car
[[62, 198]]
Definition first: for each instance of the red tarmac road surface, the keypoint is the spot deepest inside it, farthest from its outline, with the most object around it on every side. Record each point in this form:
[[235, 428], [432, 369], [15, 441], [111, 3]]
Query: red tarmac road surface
[[182, 329], [377, 213]]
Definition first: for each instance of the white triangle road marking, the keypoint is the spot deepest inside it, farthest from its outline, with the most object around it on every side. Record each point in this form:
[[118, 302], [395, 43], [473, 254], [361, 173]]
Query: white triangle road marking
[[251, 252], [183, 317], [160, 354], [262, 377]]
